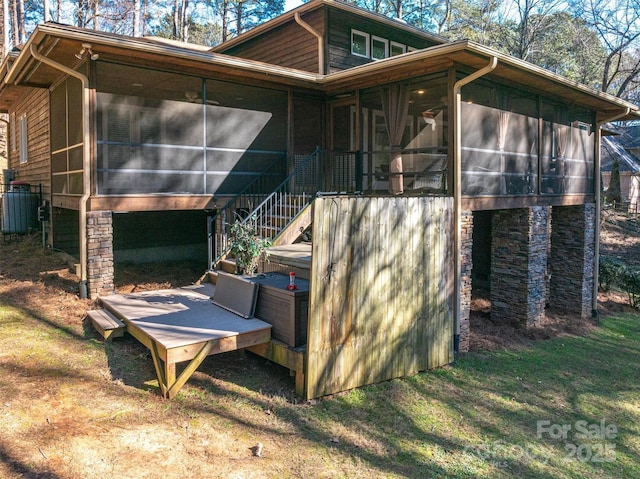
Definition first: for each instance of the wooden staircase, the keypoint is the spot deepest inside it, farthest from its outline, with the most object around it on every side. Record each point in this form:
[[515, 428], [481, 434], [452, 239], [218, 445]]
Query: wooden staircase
[[285, 223], [281, 216]]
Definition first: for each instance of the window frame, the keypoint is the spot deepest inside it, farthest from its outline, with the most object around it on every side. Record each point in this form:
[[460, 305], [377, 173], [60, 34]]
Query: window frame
[[367, 45], [13, 125], [402, 47], [22, 122], [385, 42]]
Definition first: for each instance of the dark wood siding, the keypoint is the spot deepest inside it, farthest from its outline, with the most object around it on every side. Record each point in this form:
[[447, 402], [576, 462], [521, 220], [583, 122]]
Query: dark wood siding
[[289, 45], [340, 24]]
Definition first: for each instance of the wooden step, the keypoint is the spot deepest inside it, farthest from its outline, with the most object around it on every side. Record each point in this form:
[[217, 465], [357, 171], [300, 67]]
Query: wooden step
[[106, 323], [228, 265]]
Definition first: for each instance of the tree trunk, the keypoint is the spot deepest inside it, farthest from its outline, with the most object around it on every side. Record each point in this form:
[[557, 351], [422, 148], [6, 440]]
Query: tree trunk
[[239, 18], [95, 9], [136, 18], [6, 41], [225, 29], [22, 35], [176, 17], [184, 22], [14, 22]]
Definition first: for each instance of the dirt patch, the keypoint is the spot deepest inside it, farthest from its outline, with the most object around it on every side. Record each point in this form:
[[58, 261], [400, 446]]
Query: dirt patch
[[620, 238], [489, 335]]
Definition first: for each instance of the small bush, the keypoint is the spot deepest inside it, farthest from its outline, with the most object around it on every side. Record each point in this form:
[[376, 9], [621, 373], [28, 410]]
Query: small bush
[[631, 284], [247, 246], [610, 272]]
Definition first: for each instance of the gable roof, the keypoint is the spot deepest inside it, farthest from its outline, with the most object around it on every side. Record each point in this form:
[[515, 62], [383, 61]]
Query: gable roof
[[630, 137], [611, 150], [289, 16]]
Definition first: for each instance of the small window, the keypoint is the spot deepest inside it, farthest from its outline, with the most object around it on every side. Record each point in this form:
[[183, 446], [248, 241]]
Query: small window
[[379, 48], [412, 49], [12, 128], [23, 138], [359, 43], [397, 49]]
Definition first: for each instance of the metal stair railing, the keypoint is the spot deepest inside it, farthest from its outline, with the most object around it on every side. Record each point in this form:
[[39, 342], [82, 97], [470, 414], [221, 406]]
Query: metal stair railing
[[254, 193], [274, 211]]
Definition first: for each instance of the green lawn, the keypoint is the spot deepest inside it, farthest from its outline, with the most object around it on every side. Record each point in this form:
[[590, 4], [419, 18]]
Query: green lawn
[[562, 408], [568, 407]]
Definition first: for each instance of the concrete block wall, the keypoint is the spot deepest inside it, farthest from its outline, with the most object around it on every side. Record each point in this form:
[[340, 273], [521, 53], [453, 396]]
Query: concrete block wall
[[100, 268]]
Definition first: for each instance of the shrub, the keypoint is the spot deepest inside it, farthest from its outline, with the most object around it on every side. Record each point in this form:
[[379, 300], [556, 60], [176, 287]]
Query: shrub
[[247, 246], [610, 272], [631, 284]]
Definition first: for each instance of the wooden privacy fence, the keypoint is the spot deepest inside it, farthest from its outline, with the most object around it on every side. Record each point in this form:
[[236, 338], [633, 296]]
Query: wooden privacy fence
[[381, 298]]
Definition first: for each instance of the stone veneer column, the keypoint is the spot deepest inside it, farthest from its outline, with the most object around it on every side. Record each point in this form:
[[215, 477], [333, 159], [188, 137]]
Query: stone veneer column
[[466, 265], [519, 265], [572, 258], [100, 253]]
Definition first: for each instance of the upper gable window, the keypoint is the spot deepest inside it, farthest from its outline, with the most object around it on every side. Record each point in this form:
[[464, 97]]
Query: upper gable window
[[360, 43], [22, 125], [12, 131], [397, 49], [379, 48]]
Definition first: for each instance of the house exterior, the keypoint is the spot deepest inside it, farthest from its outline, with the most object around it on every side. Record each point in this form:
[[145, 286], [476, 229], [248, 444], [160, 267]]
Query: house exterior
[[612, 150], [454, 157]]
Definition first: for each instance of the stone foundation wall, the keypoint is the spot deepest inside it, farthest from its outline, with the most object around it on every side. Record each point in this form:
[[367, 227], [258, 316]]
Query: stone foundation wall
[[466, 266], [99, 253], [519, 249], [572, 259]]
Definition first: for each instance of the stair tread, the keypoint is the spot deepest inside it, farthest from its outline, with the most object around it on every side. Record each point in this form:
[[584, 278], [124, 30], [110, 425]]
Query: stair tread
[[106, 323]]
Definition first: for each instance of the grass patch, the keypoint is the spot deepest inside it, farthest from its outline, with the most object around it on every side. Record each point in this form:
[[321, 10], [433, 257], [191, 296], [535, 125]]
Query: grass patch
[[82, 408], [567, 407]]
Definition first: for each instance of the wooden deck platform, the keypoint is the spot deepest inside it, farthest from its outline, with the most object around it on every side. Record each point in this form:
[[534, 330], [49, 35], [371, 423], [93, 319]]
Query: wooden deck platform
[[183, 324]]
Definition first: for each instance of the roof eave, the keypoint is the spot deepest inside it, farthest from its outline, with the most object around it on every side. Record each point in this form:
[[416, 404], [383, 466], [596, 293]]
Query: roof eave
[[467, 46], [97, 38]]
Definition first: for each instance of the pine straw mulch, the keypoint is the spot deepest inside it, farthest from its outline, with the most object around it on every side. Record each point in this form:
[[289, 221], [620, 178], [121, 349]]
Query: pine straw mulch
[[620, 238], [39, 280]]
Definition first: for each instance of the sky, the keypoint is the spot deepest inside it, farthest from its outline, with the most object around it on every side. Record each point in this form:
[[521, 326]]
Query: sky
[[290, 4]]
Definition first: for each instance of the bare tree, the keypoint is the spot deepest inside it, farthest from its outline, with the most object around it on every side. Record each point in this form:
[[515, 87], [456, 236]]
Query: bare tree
[[531, 16], [618, 25]]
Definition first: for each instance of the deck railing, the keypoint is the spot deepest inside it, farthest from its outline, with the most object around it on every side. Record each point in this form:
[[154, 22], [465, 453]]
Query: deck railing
[[271, 212], [425, 170]]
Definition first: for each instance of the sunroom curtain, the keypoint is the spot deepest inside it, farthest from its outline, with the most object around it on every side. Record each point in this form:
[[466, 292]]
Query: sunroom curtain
[[503, 127], [395, 106], [562, 140]]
